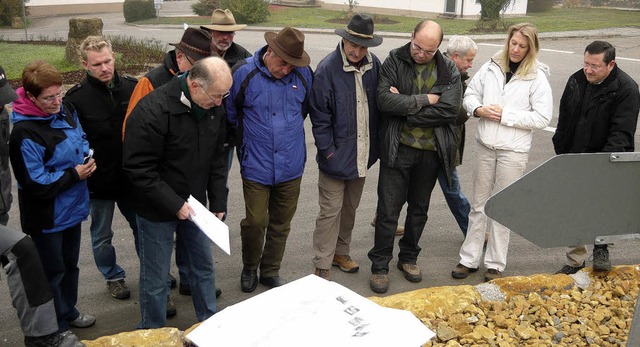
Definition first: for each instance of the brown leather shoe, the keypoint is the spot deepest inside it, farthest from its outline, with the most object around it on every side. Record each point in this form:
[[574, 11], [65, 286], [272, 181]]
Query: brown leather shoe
[[379, 283], [462, 271], [345, 263], [492, 274], [323, 273], [411, 272]]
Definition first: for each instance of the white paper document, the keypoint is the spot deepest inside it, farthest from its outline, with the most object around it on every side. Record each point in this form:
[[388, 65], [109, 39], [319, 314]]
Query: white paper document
[[311, 312], [214, 228]]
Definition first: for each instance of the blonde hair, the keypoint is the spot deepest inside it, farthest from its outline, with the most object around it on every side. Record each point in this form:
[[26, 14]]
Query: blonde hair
[[528, 63], [94, 43]]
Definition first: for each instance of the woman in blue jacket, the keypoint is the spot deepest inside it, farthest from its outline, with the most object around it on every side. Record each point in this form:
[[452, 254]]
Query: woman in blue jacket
[[47, 150]]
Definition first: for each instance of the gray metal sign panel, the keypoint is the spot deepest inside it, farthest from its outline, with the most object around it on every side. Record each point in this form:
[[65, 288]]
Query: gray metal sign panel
[[572, 198]]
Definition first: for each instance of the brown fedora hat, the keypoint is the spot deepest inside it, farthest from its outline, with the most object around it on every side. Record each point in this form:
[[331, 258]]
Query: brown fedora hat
[[360, 31], [223, 21], [289, 46], [195, 43]]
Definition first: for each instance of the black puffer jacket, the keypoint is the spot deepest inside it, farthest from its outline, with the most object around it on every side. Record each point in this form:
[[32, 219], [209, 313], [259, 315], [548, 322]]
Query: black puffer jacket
[[399, 71], [169, 155], [101, 112], [611, 115]]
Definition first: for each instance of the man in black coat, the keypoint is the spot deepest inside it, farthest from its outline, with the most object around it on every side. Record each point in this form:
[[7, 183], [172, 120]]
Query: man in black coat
[[598, 113], [101, 101], [173, 152]]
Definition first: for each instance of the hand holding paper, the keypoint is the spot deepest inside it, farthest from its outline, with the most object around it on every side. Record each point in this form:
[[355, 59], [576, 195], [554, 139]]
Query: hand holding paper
[[213, 227]]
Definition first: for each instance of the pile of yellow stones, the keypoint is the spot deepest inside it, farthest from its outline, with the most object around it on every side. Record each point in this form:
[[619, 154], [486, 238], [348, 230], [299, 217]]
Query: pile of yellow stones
[[585, 309]]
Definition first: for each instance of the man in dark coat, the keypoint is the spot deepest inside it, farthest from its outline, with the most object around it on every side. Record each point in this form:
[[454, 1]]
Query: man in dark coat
[[598, 113], [101, 101], [419, 93], [173, 152]]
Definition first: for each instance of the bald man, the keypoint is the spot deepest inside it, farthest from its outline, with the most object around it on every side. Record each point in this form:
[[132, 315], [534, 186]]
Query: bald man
[[419, 96], [173, 149]]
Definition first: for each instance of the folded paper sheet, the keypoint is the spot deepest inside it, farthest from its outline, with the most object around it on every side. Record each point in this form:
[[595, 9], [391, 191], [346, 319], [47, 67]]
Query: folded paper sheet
[[214, 228], [310, 312]]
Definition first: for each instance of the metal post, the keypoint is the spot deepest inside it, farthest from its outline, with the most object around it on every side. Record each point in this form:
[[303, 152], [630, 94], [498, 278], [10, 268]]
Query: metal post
[[24, 19]]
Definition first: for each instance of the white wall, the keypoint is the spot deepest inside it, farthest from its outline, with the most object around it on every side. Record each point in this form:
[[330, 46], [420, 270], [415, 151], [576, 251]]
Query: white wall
[[470, 7], [69, 2]]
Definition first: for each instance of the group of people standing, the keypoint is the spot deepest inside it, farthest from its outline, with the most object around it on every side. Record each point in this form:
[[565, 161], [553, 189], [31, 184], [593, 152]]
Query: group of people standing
[[169, 137]]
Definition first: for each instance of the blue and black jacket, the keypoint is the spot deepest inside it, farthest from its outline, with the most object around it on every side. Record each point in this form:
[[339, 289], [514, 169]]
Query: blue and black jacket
[[44, 152]]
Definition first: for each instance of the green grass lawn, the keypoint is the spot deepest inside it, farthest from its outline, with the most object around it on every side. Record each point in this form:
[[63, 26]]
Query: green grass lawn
[[15, 55], [555, 20]]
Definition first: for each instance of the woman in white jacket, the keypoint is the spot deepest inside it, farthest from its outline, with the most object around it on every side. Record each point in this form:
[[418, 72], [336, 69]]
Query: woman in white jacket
[[512, 96]]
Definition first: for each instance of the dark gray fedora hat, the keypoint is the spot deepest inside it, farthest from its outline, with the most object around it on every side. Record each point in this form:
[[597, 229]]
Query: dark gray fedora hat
[[360, 31]]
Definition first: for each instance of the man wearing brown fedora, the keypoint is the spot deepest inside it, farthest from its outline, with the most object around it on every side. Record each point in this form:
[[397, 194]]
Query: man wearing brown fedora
[[222, 29], [193, 46], [267, 106], [344, 115]]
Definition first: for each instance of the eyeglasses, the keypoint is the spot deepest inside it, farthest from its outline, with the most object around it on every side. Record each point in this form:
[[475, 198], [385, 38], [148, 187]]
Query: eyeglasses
[[51, 99], [419, 49], [592, 66], [214, 98]]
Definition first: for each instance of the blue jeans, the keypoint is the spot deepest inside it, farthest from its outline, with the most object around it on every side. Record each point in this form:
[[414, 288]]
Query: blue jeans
[[104, 253], [457, 202], [411, 180], [156, 245], [59, 253]]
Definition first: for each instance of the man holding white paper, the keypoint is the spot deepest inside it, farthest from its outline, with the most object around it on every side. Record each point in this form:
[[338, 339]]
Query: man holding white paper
[[173, 148]]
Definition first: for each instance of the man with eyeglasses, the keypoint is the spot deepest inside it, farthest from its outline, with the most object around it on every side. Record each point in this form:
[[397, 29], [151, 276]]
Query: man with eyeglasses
[[173, 150], [193, 46], [598, 113], [419, 96], [101, 101]]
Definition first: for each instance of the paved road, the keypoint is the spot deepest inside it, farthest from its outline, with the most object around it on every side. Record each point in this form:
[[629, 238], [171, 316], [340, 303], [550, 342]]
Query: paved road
[[440, 242]]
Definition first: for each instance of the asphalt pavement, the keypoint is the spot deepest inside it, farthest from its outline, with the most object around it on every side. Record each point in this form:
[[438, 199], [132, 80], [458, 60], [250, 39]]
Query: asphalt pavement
[[441, 239]]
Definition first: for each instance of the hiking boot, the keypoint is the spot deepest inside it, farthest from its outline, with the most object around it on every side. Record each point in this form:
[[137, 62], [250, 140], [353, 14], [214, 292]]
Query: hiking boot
[[462, 271], [323, 273], [569, 270], [492, 274], [118, 289], [171, 307], [379, 283], [411, 272], [63, 339], [601, 261], [345, 263], [399, 229]]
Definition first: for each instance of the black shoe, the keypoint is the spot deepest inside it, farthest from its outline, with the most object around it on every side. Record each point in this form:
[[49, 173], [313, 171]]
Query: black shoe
[[218, 292], [63, 339], [184, 289], [248, 280], [570, 270], [272, 282], [601, 261], [173, 280]]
